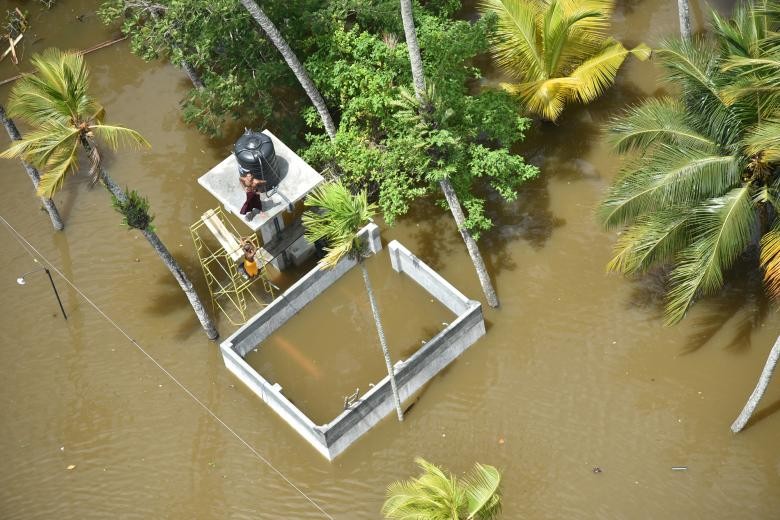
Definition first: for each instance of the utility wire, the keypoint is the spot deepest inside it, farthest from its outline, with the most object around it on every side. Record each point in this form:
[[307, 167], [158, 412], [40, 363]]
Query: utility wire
[[22, 241]]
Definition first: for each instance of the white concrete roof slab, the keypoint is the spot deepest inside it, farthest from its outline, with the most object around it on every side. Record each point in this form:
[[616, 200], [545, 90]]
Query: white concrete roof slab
[[297, 180]]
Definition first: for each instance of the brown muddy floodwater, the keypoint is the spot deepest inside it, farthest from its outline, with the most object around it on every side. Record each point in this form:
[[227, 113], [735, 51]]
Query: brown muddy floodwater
[[331, 348], [576, 370]]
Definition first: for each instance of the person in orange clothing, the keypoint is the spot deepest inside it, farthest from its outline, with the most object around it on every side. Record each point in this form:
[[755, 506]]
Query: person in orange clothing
[[249, 267]]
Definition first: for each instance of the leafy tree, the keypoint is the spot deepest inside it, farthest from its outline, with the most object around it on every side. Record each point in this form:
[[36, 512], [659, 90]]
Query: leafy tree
[[439, 143], [380, 148], [32, 172], [243, 76], [435, 495], [56, 103], [337, 217], [558, 50], [295, 65], [353, 55]]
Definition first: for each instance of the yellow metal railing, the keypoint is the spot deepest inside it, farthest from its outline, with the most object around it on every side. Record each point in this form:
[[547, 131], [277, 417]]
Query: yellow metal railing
[[229, 288]]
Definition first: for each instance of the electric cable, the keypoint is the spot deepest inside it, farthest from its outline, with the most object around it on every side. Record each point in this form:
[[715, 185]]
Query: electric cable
[[22, 241]]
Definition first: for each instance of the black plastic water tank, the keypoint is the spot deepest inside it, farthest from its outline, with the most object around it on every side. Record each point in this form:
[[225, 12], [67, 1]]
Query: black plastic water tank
[[255, 153]]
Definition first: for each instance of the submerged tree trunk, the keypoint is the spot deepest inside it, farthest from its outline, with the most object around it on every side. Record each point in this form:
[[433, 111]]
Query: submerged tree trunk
[[162, 251], [471, 244], [758, 391], [382, 341], [418, 75], [292, 61], [684, 12], [35, 177]]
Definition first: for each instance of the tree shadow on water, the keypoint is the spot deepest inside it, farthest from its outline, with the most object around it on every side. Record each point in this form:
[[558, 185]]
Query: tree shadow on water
[[527, 218], [763, 413], [739, 308], [433, 232]]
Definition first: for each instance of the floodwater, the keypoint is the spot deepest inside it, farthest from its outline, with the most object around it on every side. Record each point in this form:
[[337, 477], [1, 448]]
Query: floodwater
[[576, 370], [330, 348]]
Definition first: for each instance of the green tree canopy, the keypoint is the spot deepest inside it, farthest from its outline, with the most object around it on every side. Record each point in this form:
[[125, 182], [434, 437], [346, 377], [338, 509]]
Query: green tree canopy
[[355, 54]]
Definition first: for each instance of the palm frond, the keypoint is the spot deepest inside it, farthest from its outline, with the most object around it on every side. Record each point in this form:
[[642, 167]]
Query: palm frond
[[690, 63], [514, 44], [116, 136], [41, 144], [546, 98], [739, 36], [57, 90], [35, 102], [669, 178], [431, 496], [560, 26], [483, 494], [581, 10], [723, 228], [764, 139], [654, 122], [597, 73], [770, 259], [336, 217], [63, 160], [651, 240]]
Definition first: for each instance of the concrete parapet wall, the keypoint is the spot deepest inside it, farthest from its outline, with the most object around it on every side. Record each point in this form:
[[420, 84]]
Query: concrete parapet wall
[[411, 374], [272, 395], [404, 261], [289, 303]]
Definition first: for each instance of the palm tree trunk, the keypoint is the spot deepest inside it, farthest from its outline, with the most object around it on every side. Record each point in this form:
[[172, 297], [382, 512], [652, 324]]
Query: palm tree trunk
[[382, 340], [415, 58], [162, 251], [292, 61], [758, 391], [191, 73], [684, 12], [35, 177], [471, 244]]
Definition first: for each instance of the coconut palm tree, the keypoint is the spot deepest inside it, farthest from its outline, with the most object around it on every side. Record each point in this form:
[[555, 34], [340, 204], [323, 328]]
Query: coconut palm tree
[[56, 103], [705, 184], [418, 76], [557, 50], [435, 495], [295, 65], [704, 188], [32, 172], [336, 217]]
